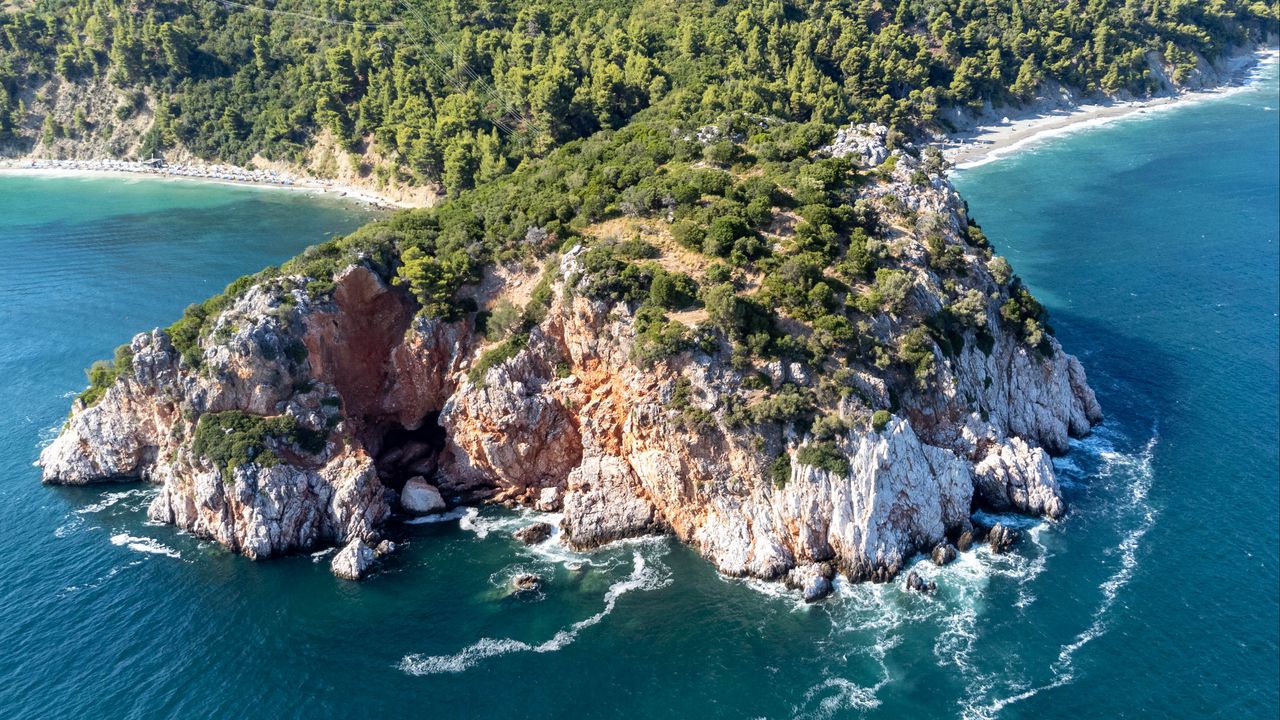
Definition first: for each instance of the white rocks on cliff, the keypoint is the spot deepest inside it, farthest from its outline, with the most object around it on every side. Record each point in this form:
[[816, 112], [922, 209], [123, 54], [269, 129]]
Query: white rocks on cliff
[[571, 421], [420, 497], [257, 365], [1015, 476]]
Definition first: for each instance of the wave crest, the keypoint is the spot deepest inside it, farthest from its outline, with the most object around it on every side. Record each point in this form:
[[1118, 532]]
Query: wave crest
[[644, 576]]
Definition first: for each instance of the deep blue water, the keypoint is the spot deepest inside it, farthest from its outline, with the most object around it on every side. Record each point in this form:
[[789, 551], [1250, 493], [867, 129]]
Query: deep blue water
[[1153, 241]]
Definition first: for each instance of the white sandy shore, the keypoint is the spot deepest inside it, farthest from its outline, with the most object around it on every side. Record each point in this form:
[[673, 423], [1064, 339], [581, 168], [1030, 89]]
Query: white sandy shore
[[1001, 137], [987, 142], [189, 171]]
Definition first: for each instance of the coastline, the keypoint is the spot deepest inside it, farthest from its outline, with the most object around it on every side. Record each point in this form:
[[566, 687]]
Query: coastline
[[995, 138], [221, 174], [990, 139]]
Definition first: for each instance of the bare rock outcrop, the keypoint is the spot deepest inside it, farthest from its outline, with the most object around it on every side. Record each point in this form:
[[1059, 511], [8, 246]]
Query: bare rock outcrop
[[420, 497], [534, 533], [943, 553], [255, 363], [1015, 476], [354, 561], [813, 580], [334, 396], [918, 584], [1001, 538]]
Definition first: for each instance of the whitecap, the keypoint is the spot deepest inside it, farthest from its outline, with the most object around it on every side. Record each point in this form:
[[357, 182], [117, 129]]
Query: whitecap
[[553, 549], [772, 589], [1010, 520], [644, 576], [144, 545], [73, 524], [320, 555], [98, 581], [111, 499], [1062, 670], [481, 525], [455, 514], [1066, 464], [835, 695]]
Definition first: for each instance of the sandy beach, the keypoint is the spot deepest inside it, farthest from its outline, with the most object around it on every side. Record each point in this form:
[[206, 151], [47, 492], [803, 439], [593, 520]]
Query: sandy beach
[[1004, 133], [191, 171], [1014, 130]]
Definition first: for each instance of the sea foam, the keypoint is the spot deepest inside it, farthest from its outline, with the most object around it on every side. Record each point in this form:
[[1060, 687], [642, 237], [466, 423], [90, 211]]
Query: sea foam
[[1140, 516], [144, 545], [645, 575]]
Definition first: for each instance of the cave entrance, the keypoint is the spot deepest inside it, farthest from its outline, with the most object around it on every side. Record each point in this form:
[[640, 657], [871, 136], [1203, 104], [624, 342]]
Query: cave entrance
[[402, 453]]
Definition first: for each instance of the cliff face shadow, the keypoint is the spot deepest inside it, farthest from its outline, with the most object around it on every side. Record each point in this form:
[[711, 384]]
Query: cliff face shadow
[[401, 453], [1129, 374]]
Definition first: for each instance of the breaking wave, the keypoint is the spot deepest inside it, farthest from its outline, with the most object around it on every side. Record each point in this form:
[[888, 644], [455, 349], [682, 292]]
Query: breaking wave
[[646, 574], [144, 545], [112, 499], [455, 514], [858, 609], [837, 694], [481, 524], [1140, 516], [98, 581]]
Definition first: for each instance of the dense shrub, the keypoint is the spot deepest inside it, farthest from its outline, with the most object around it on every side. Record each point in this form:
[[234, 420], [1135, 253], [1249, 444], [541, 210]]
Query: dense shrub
[[497, 355], [673, 291], [787, 405], [915, 350], [1027, 317], [657, 337], [1000, 270], [823, 455], [780, 470], [233, 438], [889, 294], [102, 375]]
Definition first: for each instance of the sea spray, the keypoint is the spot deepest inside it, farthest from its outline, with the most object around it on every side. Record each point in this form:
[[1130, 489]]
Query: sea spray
[[646, 574], [144, 545], [1135, 518]]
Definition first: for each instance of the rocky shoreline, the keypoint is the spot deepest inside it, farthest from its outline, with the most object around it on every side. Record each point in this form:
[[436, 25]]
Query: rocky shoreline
[[307, 420]]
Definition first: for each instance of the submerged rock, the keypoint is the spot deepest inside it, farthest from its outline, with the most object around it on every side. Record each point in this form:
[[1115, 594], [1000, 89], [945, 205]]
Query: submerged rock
[[525, 583], [533, 534], [353, 562], [421, 498]]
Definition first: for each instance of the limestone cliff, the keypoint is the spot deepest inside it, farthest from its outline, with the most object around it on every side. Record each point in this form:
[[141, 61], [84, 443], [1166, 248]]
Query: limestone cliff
[[298, 417]]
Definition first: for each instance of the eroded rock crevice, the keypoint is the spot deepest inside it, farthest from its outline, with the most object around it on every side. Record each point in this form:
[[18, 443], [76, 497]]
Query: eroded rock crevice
[[401, 453]]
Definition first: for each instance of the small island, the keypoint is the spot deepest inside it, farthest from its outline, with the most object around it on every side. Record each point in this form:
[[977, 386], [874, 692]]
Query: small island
[[798, 374]]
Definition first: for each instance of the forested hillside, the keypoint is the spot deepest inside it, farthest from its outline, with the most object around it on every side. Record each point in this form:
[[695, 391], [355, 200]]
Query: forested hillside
[[458, 92]]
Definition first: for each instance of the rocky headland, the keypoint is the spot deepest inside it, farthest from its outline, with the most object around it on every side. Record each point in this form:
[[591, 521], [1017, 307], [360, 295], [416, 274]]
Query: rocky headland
[[308, 410]]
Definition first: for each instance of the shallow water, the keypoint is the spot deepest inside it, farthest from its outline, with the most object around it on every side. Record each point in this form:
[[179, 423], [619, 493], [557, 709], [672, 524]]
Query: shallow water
[[1154, 244]]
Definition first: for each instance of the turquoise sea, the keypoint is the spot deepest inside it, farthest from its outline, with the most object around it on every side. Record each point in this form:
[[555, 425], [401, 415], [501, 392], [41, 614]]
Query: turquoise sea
[[1154, 241]]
